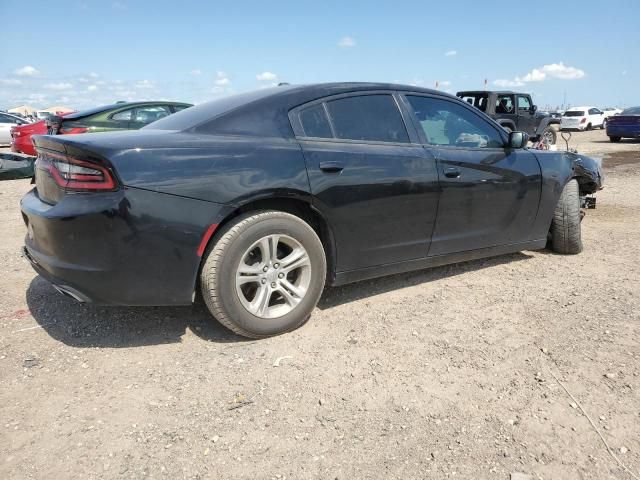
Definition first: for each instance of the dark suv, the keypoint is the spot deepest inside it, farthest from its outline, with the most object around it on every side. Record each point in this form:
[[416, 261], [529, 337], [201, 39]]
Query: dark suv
[[514, 111]]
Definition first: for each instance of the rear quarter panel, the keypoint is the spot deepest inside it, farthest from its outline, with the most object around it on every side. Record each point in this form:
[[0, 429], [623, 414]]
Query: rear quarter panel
[[226, 170]]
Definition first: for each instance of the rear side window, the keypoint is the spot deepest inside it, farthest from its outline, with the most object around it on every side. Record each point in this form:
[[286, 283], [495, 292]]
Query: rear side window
[[368, 117], [123, 116], [315, 122]]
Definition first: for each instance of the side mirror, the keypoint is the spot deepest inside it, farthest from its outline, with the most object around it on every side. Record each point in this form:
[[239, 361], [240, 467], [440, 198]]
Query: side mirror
[[518, 139], [534, 108]]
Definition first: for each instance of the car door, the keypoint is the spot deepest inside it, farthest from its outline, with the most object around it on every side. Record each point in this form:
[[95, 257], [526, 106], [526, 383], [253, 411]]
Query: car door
[[6, 122], [146, 114], [526, 115], [596, 117], [489, 193], [505, 108], [370, 177]]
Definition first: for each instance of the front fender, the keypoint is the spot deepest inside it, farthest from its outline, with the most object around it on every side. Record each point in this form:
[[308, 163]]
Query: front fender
[[557, 169]]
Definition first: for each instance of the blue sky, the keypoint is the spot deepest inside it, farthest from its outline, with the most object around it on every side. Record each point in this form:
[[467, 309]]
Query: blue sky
[[82, 53]]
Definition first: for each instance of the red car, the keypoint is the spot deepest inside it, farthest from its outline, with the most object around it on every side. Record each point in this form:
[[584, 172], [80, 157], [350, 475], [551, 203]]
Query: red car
[[21, 136]]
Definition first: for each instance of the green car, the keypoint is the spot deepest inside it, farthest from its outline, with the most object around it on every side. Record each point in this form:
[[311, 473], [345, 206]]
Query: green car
[[119, 116]]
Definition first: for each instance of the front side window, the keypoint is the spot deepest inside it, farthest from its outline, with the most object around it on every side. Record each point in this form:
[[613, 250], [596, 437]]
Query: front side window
[[524, 103], [151, 113], [315, 122], [368, 117], [447, 123]]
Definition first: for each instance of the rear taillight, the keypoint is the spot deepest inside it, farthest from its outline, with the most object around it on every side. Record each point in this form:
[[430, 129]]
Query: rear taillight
[[72, 130], [73, 174], [583, 120]]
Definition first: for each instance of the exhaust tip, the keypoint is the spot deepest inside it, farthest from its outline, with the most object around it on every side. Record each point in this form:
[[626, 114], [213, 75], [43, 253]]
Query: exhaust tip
[[69, 292]]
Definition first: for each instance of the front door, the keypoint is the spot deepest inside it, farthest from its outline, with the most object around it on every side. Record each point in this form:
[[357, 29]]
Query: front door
[[377, 188], [526, 115], [489, 193]]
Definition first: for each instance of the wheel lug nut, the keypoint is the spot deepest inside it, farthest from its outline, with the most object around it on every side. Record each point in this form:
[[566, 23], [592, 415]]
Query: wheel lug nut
[[276, 265], [265, 269], [273, 284], [281, 275], [264, 280]]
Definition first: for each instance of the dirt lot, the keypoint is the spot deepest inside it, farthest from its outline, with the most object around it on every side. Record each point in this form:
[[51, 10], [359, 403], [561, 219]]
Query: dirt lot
[[434, 374]]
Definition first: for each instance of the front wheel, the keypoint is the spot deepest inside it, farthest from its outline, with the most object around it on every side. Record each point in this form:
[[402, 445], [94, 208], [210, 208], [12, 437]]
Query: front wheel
[[566, 234], [264, 275], [549, 136]]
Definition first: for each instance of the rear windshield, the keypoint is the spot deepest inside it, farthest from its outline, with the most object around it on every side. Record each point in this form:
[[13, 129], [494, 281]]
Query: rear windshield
[[194, 116], [631, 111], [574, 113]]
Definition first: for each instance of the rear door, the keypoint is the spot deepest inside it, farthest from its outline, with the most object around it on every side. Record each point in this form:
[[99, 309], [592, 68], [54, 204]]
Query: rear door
[[506, 108], [490, 193], [370, 177]]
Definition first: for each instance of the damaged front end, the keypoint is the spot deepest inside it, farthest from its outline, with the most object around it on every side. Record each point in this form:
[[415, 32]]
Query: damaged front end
[[588, 172]]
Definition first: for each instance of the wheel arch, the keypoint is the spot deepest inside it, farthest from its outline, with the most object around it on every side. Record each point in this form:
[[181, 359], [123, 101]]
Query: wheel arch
[[299, 205]]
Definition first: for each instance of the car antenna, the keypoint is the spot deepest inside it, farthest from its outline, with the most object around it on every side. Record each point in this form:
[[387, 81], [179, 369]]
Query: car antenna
[[282, 84]]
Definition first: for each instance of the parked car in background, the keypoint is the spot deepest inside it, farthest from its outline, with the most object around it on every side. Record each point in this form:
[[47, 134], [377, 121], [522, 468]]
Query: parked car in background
[[7, 121], [514, 111], [42, 115], [582, 118], [21, 136], [118, 116], [624, 125], [609, 112], [257, 199]]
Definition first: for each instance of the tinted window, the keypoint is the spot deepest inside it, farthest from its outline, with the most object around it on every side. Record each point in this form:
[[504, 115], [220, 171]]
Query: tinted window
[[574, 113], [177, 108], [150, 113], [504, 104], [125, 115], [6, 119], [448, 123], [524, 103], [315, 123], [367, 117], [631, 111]]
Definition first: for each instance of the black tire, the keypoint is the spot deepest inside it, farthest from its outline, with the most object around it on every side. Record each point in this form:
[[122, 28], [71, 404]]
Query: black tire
[[550, 133], [604, 124], [218, 275], [614, 138], [589, 126], [565, 227]]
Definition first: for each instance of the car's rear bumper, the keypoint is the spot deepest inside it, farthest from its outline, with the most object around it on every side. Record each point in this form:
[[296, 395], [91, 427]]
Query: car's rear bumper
[[131, 247], [23, 145], [626, 131]]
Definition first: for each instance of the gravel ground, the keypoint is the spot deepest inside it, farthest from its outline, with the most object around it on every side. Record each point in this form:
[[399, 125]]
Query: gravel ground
[[454, 371]]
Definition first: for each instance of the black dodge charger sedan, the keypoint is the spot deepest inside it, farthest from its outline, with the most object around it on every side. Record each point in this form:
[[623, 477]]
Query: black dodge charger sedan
[[260, 199]]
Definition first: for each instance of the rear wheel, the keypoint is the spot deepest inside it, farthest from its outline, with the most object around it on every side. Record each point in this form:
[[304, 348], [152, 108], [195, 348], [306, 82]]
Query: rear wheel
[[566, 235], [614, 138], [588, 127], [604, 124], [264, 275]]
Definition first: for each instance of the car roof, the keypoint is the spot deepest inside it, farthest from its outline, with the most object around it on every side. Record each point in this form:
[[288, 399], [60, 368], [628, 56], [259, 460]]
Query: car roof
[[269, 106], [580, 108]]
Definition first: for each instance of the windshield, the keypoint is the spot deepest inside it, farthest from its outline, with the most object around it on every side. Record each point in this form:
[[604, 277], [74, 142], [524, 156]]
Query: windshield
[[631, 111], [574, 113]]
